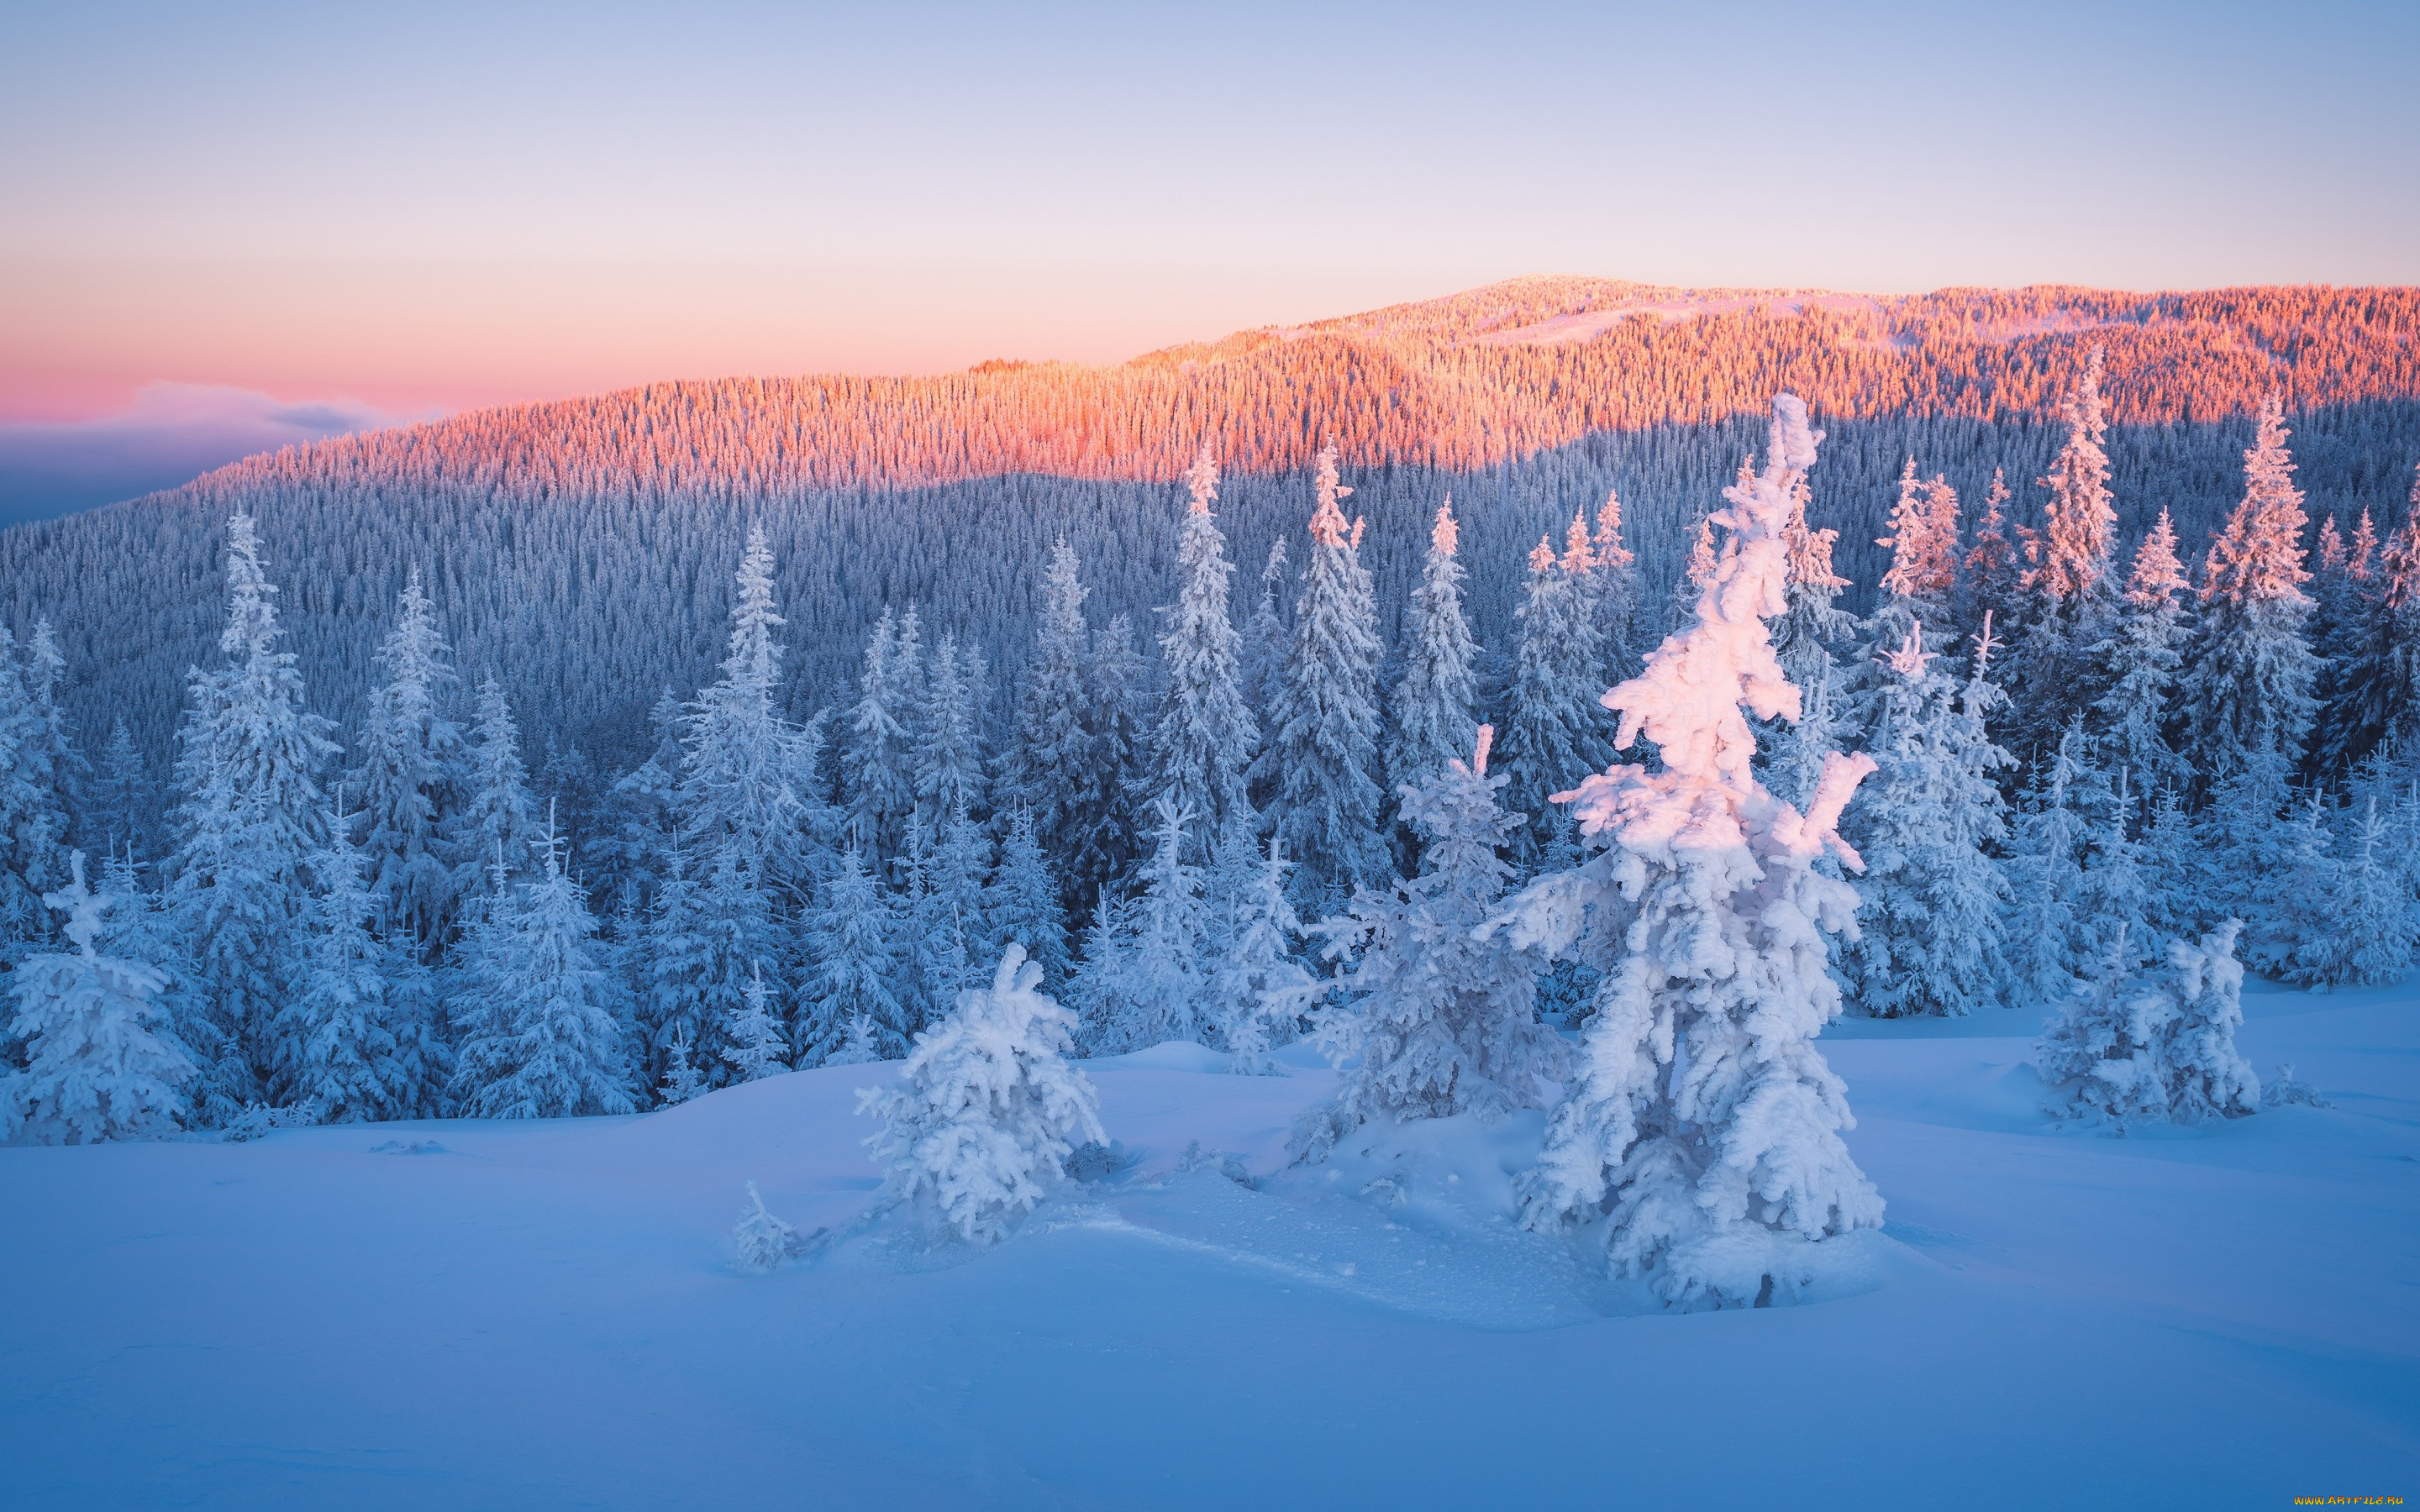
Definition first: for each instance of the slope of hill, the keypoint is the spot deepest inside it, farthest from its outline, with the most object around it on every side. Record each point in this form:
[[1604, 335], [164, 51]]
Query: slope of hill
[[581, 548]]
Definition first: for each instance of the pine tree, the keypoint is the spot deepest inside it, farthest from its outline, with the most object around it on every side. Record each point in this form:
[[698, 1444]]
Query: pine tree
[[97, 1071], [747, 776], [364, 1053], [2251, 821], [1554, 728], [2045, 879], [754, 1035], [539, 1036], [878, 767], [986, 1110], [1022, 904], [1928, 927], [1709, 1152], [2249, 678], [1318, 767], [1042, 771], [1915, 593], [1434, 695], [409, 772], [249, 821], [854, 951], [948, 925], [2358, 929], [2113, 898], [1440, 1015], [2377, 700], [2071, 580], [138, 927], [674, 959], [681, 1082], [2140, 658], [497, 824], [1205, 738], [1161, 992]]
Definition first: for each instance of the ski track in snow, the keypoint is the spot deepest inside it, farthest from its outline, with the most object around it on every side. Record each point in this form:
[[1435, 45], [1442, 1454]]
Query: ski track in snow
[[545, 1315]]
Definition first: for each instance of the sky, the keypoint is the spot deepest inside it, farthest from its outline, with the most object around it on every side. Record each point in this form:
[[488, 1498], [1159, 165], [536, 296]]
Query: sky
[[230, 226]]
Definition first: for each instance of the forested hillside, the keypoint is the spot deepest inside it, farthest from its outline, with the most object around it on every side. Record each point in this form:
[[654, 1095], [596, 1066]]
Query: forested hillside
[[582, 549]]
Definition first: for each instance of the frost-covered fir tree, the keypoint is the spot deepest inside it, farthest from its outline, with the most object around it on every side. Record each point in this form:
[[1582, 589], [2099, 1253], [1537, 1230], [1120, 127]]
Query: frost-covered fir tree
[[1555, 727], [1432, 723], [364, 1050], [2139, 659], [668, 974], [2071, 576], [739, 937], [1152, 987], [2113, 896], [1804, 641], [409, 772], [1439, 1016], [1106, 823], [1205, 735], [100, 1065], [2377, 699], [1051, 745], [949, 735], [1991, 577], [1258, 989], [33, 810], [754, 1034], [497, 824], [1319, 764], [2156, 1048], [2175, 872], [2254, 832], [1021, 906], [1265, 638], [122, 795], [1915, 593], [2359, 927], [2250, 675], [681, 1082], [854, 954], [536, 1006], [638, 824], [748, 776], [249, 821], [1700, 1143], [878, 761], [1617, 593], [978, 1129], [1929, 925], [2044, 872], [138, 927]]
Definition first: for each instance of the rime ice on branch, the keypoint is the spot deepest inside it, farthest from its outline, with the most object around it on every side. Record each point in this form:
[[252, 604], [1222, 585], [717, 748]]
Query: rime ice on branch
[[1700, 1143]]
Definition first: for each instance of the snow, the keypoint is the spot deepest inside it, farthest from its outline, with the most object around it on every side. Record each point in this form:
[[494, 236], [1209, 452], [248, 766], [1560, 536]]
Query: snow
[[549, 1313]]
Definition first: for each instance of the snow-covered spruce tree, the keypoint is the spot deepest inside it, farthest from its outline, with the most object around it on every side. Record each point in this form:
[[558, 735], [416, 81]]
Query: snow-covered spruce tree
[[1433, 697], [1701, 1142], [1022, 906], [2249, 833], [979, 1126], [1318, 766], [668, 973], [638, 826], [947, 922], [1439, 1016], [138, 927], [858, 1048], [1203, 740], [2044, 873], [949, 735], [1052, 744], [2113, 896], [96, 1068], [122, 795], [878, 761], [1616, 595], [33, 814], [1161, 992], [2176, 872], [758, 1045], [2139, 659], [738, 937], [250, 817], [2250, 675], [1916, 592], [1554, 729], [1804, 641], [1258, 990], [681, 1082], [1107, 824], [2134, 1049], [854, 951], [1928, 919], [2361, 928], [2377, 699], [747, 776], [497, 824], [1265, 638], [540, 1039], [2071, 580], [409, 771], [1990, 578], [364, 1050]]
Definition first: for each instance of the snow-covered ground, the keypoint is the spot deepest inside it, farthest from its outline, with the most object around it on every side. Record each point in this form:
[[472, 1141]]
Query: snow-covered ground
[[526, 1315]]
